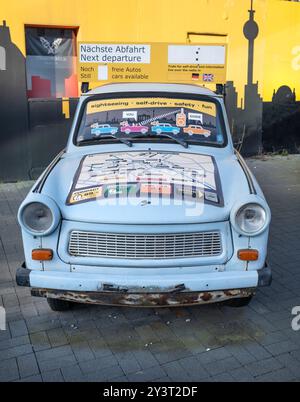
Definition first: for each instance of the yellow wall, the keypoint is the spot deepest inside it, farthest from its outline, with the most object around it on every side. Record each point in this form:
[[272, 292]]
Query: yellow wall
[[282, 52], [170, 20]]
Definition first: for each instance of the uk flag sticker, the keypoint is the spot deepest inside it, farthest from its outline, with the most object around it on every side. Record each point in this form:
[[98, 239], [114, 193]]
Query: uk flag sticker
[[208, 77]]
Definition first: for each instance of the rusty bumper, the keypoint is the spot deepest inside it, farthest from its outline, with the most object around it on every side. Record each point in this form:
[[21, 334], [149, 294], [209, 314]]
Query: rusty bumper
[[165, 299]]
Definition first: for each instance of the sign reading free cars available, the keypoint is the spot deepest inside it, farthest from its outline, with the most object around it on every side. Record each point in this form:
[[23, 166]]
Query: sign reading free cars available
[[102, 63]]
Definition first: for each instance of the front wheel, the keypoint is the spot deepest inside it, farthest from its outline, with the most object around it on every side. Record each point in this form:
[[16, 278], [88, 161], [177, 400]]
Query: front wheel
[[239, 301], [59, 305]]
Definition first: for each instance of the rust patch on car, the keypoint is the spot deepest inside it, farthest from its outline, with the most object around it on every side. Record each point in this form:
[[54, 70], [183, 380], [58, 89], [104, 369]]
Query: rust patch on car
[[162, 299]]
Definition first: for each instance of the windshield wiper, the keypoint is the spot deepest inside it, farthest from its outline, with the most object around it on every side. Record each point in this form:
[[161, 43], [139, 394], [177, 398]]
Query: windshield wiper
[[178, 140], [91, 140]]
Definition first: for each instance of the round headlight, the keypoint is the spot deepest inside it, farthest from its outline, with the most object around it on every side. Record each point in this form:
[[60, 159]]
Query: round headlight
[[37, 217], [251, 218]]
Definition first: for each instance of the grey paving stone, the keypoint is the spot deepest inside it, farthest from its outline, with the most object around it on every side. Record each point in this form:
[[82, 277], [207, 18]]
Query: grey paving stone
[[147, 333], [52, 376], [194, 368], [128, 362], [40, 341], [150, 374], [222, 366], [122, 378], [171, 355], [281, 375], [272, 338], [12, 342], [33, 378], [82, 351], [28, 310], [281, 347], [98, 364], [212, 355], [15, 351], [240, 353], [223, 377], [145, 359], [57, 337], [289, 361], [175, 372], [264, 366], [57, 363], [5, 335], [18, 328], [99, 347], [105, 375], [43, 325], [241, 374], [296, 354], [72, 373], [10, 300], [258, 351], [9, 370], [54, 353], [27, 365]]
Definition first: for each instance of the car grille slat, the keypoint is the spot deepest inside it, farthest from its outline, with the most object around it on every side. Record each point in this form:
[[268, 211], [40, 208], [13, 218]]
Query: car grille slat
[[144, 246]]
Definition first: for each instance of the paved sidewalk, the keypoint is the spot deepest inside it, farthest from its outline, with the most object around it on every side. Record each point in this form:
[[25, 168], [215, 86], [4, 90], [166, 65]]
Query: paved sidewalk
[[206, 343]]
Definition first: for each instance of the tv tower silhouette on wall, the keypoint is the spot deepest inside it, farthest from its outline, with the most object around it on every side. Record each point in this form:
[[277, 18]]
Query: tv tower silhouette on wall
[[251, 31], [246, 121]]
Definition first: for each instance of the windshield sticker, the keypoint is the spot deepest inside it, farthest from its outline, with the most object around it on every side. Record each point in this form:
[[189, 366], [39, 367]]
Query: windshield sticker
[[130, 115], [138, 103], [129, 118], [181, 176]]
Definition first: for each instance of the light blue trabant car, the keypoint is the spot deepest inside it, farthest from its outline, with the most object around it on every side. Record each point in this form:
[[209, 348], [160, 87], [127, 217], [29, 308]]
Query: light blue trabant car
[[146, 219], [103, 129], [165, 128]]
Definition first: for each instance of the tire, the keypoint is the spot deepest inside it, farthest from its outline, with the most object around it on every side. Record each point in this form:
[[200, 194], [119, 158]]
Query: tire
[[158, 131], [144, 131], [175, 132], [239, 302], [127, 131], [59, 305], [191, 133]]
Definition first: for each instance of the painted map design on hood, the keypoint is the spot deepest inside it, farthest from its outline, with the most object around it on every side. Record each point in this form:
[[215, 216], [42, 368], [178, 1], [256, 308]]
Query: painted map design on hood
[[147, 174]]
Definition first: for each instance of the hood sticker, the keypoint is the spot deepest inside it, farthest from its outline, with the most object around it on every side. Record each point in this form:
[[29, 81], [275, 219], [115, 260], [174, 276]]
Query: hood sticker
[[183, 176]]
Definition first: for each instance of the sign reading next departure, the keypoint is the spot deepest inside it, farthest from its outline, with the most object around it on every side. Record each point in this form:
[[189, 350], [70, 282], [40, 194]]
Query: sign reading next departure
[[151, 62]]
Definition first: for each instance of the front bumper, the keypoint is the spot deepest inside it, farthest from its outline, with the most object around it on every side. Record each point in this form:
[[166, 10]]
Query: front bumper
[[163, 299], [141, 290]]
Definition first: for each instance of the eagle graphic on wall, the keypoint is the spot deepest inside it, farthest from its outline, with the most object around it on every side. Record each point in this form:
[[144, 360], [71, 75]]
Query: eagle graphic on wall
[[51, 48]]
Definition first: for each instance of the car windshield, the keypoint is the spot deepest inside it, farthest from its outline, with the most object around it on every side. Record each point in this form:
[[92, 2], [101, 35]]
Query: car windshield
[[192, 120]]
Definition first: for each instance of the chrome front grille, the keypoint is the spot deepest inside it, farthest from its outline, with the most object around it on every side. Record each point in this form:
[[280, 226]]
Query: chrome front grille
[[145, 246]]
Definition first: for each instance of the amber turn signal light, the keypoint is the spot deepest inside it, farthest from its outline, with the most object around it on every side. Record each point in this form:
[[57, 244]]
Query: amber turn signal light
[[248, 255], [42, 254]]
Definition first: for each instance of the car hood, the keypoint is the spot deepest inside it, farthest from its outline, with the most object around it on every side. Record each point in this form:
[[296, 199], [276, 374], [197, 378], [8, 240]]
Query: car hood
[[146, 187]]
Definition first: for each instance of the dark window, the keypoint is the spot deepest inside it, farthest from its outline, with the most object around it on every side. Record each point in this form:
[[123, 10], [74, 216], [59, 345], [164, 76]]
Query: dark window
[[51, 62]]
